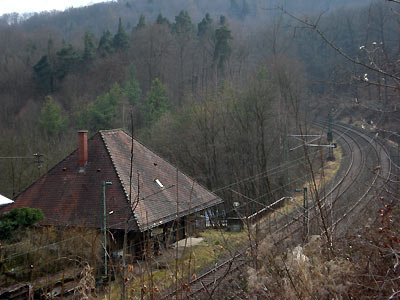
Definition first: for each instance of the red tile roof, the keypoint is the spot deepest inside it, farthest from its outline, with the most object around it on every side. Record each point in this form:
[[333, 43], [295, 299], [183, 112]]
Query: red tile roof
[[68, 197]]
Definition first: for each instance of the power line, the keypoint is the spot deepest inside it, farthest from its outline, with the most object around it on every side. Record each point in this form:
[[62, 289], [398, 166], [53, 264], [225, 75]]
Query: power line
[[122, 222], [17, 157], [251, 178], [250, 199]]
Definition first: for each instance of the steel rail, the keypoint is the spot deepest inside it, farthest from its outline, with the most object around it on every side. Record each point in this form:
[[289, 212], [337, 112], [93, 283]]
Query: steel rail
[[351, 143], [377, 173]]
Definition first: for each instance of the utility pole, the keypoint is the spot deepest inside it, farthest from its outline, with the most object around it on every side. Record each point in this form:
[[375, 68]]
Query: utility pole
[[330, 138], [39, 161], [104, 183]]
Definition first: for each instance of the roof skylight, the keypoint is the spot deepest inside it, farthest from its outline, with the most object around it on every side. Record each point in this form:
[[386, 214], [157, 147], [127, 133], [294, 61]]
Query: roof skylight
[[159, 183]]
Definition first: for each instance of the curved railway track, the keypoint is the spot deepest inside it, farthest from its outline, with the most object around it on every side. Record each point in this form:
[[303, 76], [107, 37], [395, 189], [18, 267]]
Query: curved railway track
[[365, 156], [366, 167], [376, 172]]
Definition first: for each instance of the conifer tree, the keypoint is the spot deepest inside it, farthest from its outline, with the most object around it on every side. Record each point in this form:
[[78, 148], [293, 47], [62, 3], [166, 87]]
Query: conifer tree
[[162, 20], [105, 46], [222, 20], [67, 57], [51, 119], [183, 29], [222, 49], [44, 75], [142, 22], [121, 40], [156, 102], [204, 26], [132, 88], [89, 50], [183, 24], [101, 113]]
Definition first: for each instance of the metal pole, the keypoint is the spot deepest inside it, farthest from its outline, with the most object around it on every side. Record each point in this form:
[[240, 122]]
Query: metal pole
[[105, 226], [305, 215], [124, 261], [286, 161], [330, 137]]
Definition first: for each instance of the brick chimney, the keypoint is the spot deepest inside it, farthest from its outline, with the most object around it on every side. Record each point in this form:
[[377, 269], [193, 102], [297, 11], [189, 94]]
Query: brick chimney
[[82, 148]]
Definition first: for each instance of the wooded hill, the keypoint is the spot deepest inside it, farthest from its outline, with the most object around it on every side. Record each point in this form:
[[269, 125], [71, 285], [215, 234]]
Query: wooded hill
[[74, 21]]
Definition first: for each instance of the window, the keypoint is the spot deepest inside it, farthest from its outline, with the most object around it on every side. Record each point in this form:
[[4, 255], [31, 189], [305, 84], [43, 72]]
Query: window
[[159, 183]]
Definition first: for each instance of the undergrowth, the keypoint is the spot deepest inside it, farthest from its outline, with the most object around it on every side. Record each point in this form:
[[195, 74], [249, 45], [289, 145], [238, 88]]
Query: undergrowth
[[364, 265]]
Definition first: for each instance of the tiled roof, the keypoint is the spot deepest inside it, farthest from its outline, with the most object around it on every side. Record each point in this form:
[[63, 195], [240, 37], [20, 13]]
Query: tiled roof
[[70, 198], [157, 204]]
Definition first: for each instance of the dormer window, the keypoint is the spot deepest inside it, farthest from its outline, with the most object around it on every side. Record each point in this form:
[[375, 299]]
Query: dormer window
[[159, 183]]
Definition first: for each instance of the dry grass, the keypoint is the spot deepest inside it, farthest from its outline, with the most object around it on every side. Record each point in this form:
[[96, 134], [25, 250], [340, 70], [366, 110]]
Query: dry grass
[[325, 173], [142, 281], [47, 254], [299, 273], [149, 277], [364, 265]]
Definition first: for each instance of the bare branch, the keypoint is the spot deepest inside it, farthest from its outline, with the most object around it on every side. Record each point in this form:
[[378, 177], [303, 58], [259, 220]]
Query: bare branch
[[314, 26]]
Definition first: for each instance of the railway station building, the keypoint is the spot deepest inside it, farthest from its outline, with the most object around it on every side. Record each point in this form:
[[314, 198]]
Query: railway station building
[[115, 181]]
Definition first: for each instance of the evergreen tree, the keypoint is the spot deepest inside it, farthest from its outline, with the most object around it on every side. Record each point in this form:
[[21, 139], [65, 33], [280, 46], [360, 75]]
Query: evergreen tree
[[51, 53], [162, 20], [156, 102], [205, 26], [89, 50], [50, 46], [222, 48], [51, 119], [132, 88], [44, 75], [67, 57], [101, 113], [121, 40], [142, 22], [105, 46], [183, 24], [184, 30], [222, 20]]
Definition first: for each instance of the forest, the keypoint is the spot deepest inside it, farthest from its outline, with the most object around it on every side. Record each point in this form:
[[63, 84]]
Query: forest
[[213, 86]]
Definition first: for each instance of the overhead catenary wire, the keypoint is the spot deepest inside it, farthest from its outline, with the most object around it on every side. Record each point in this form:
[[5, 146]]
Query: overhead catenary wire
[[111, 225], [277, 169], [17, 157], [254, 177], [360, 148], [139, 243]]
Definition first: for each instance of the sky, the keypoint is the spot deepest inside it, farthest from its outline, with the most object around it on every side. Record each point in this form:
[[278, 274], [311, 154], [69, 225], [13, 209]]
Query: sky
[[24, 6]]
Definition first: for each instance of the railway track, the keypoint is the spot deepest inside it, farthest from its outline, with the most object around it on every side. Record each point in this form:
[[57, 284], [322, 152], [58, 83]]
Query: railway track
[[363, 155], [366, 168], [381, 168], [366, 155]]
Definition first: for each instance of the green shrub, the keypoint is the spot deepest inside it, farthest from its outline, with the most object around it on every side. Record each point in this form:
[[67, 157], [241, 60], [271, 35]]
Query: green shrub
[[18, 218]]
